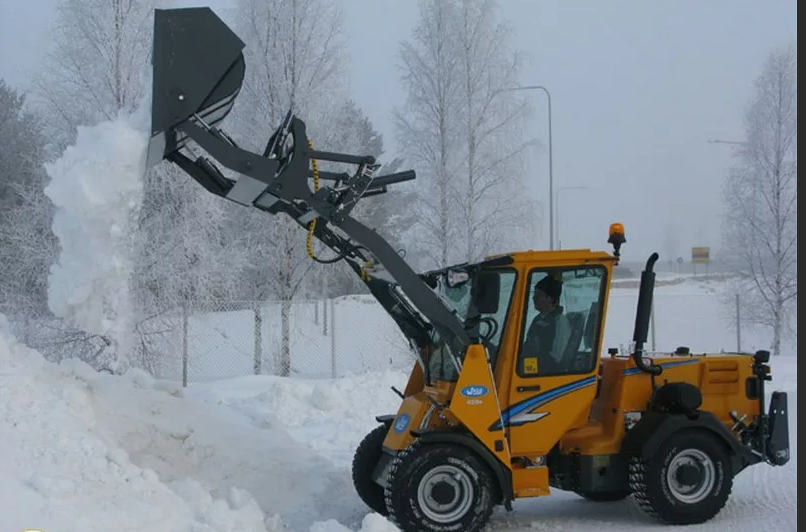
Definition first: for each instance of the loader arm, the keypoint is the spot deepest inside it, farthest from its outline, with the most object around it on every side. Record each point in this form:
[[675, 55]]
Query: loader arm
[[198, 69]]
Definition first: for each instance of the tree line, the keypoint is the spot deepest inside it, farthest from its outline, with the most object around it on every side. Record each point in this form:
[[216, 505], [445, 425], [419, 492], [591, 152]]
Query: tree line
[[454, 129]]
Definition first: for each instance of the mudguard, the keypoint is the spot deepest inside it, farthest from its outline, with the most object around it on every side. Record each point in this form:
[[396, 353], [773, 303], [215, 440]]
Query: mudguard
[[386, 419], [777, 445], [501, 471], [646, 437]]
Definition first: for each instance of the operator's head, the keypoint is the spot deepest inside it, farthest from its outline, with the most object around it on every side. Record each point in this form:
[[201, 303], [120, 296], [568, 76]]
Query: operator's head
[[547, 293]]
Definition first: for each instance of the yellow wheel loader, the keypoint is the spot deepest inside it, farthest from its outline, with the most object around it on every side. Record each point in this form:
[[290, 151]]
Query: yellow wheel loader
[[511, 394]]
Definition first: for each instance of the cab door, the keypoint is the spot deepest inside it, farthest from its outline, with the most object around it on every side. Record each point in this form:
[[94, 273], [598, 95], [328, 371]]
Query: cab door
[[554, 380]]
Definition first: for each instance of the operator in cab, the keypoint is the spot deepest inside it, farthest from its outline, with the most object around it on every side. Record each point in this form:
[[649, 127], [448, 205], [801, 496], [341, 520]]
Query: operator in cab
[[550, 330]]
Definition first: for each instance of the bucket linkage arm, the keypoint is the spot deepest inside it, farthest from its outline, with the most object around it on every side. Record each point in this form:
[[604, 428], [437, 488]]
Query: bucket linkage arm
[[198, 70]]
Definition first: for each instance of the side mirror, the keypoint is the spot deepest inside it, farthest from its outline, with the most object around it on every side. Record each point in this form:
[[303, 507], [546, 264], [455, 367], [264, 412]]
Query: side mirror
[[487, 292]]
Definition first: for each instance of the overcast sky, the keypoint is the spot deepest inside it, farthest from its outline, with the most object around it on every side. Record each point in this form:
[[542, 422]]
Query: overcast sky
[[638, 88]]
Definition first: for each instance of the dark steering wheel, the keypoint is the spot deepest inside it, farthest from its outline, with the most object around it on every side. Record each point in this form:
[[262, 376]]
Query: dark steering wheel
[[492, 325]]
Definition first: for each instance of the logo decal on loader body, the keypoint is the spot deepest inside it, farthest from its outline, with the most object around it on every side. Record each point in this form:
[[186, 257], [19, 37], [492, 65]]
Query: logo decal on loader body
[[401, 423], [474, 391]]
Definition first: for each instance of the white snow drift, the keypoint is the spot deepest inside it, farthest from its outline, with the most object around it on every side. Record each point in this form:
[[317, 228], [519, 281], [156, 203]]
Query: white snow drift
[[85, 452]]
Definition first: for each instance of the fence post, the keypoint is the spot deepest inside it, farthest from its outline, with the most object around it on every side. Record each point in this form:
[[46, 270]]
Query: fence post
[[184, 344], [324, 315], [738, 324], [333, 337], [257, 355]]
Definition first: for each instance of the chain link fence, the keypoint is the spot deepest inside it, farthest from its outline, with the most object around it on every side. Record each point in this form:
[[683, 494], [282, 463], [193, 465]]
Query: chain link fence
[[350, 335], [212, 340], [299, 338]]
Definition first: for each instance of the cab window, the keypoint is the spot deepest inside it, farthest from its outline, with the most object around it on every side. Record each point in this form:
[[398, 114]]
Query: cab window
[[561, 325], [440, 365]]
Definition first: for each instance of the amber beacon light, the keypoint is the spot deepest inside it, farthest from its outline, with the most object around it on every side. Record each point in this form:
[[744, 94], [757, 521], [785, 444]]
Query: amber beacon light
[[616, 237]]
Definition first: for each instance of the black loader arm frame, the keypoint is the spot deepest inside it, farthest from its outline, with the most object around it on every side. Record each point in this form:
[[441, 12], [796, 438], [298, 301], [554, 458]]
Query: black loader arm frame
[[198, 70]]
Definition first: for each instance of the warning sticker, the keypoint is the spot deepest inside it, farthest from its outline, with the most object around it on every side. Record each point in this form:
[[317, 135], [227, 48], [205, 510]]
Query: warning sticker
[[530, 365]]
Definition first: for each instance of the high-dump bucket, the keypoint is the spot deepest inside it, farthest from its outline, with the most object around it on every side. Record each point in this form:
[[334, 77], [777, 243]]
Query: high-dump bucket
[[198, 70]]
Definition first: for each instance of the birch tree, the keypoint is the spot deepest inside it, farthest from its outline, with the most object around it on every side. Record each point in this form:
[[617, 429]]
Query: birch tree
[[428, 125], [760, 232], [462, 128], [94, 68], [295, 55], [494, 208]]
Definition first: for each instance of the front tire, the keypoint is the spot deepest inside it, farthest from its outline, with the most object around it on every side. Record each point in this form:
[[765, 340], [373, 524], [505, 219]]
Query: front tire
[[365, 459], [687, 481], [439, 488]]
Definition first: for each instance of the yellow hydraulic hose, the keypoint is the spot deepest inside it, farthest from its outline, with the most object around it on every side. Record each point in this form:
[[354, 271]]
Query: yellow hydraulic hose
[[312, 224]]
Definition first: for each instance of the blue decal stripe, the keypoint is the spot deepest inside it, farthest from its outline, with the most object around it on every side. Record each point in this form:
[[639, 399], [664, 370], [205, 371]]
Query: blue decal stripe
[[542, 399]]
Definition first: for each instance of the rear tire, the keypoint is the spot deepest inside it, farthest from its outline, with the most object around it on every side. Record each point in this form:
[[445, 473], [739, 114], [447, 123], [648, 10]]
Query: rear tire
[[365, 459], [439, 488], [687, 481]]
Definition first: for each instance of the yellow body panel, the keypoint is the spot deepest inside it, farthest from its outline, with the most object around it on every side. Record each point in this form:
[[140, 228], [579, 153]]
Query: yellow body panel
[[409, 417], [538, 419], [475, 403], [624, 388], [530, 481]]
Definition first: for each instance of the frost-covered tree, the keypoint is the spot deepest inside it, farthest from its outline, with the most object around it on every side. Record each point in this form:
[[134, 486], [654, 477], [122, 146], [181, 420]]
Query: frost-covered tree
[[295, 55], [94, 67], [428, 126], [761, 199], [495, 211], [462, 127], [27, 245], [98, 67]]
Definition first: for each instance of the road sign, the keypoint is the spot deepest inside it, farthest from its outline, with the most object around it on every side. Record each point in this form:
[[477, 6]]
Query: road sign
[[700, 255]]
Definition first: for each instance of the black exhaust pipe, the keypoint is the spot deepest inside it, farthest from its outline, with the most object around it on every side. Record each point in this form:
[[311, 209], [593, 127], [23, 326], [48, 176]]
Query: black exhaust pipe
[[197, 71], [643, 314]]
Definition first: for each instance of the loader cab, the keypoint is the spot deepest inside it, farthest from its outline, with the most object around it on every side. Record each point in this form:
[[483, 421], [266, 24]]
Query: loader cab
[[499, 302], [540, 316], [547, 369]]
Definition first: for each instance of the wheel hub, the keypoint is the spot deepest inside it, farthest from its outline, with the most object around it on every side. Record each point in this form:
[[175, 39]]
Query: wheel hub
[[445, 494], [688, 475], [691, 476]]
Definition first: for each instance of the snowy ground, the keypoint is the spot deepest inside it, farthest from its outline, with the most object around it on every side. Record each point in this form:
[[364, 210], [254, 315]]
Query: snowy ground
[[87, 452]]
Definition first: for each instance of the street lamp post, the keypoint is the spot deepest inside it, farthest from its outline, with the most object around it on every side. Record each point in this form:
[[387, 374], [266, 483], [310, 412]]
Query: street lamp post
[[551, 162], [580, 187]]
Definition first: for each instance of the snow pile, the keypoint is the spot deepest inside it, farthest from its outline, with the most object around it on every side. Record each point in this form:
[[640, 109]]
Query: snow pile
[[330, 416], [84, 451], [97, 186], [62, 471]]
